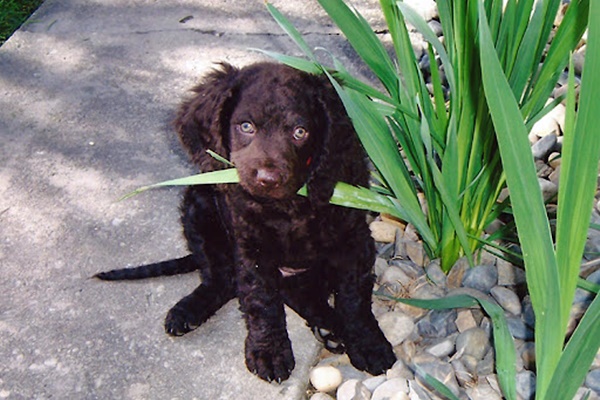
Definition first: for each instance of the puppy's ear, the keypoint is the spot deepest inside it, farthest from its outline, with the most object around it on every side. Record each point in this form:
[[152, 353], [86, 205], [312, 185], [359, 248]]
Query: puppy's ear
[[202, 121], [340, 157]]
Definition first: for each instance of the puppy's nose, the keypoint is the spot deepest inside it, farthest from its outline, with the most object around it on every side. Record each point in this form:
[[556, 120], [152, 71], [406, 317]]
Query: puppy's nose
[[268, 177]]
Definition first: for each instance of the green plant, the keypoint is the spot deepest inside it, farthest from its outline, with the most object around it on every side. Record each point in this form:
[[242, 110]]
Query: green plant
[[491, 59], [445, 149], [552, 269]]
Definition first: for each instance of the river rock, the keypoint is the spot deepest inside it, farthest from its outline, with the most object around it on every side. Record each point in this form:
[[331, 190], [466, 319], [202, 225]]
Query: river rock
[[507, 299], [518, 329], [483, 391], [457, 273], [396, 326], [321, 396], [353, 389], [438, 324], [481, 277], [526, 384], [549, 189], [473, 342], [442, 347], [435, 274], [465, 320], [325, 378], [547, 125], [392, 389], [592, 380]]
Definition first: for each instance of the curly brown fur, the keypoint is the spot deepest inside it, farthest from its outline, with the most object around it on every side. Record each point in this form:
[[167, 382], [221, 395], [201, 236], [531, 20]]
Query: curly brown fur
[[260, 241]]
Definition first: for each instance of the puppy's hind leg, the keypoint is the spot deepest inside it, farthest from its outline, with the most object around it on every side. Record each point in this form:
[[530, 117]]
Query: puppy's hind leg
[[195, 308], [205, 223]]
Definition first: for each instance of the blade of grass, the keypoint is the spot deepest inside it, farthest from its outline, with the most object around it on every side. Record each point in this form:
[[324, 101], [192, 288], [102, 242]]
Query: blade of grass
[[567, 36], [229, 175], [374, 134], [528, 208], [579, 168], [578, 355], [364, 41], [361, 198], [291, 31], [418, 22], [295, 62]]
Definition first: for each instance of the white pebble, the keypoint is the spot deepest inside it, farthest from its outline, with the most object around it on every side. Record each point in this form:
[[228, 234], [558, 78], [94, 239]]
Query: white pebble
[[374, 382], [483, 391], [353, 390], [321, 396], [325, 378], [547, 125], [391, 390]]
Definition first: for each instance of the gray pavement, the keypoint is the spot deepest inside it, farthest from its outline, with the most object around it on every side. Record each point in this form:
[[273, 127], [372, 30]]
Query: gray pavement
[[87, 91]]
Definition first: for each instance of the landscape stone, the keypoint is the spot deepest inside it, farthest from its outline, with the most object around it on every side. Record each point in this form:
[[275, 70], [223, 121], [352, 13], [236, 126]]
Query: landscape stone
[[526, 384], [325, 378], [592, 380], [542, 148], [396, 326], [481, 277], [353, 389], [518, 328], [507, 298], [473, 342], [435, 273], [465, 320], [321, 396], [391, 390], [438, 324], [483, 391]]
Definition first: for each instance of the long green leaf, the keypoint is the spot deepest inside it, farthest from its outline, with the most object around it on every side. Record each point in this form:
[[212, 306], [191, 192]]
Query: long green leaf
[[567, 36], [374, 134], [229, 175], [418, 22], [364, 41], [528, 208], [579, 169], [361, 198], [290, 30], [578, 355]]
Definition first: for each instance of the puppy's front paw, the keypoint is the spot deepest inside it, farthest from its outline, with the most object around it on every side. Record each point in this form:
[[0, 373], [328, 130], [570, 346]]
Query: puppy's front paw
[[270, 361], [180, 321], [374, 355]]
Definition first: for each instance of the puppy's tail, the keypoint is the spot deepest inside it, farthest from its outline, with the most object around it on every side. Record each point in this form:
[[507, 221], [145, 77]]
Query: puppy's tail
[[175, 266]]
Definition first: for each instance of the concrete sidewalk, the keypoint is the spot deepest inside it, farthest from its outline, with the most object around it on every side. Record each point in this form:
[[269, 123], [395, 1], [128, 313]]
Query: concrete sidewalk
[[87, 90]]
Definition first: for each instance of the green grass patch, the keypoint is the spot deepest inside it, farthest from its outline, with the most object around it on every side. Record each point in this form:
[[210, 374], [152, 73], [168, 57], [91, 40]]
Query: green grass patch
[[12, 15]]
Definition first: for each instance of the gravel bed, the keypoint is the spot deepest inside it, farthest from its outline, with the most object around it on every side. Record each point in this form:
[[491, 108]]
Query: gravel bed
[[456, 346]]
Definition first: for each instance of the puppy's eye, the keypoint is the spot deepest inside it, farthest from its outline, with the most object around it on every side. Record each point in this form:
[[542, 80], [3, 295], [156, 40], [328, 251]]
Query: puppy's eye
[[300, 133], [247, 128]]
